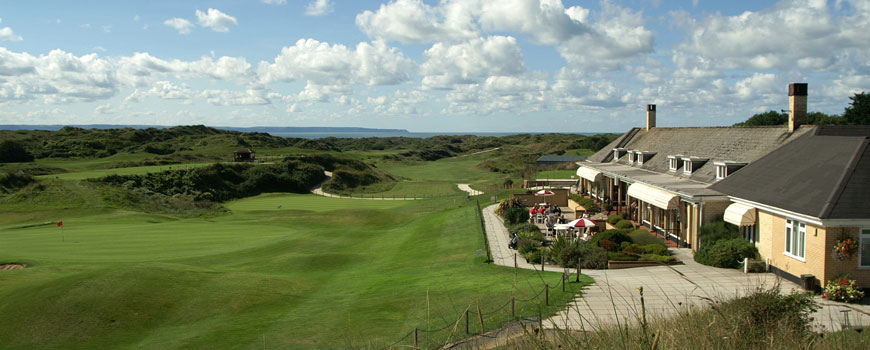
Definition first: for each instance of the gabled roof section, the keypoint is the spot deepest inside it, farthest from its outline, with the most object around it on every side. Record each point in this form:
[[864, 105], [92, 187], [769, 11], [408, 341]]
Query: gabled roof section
[[818, 174], [743, 144]]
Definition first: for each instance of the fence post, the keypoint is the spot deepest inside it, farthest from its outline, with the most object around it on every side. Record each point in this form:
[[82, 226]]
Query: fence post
[[480, 317], [745, 265], [466, 321], [513, 308], [563, 281], [415, 339], [547, 293], [578, 270]]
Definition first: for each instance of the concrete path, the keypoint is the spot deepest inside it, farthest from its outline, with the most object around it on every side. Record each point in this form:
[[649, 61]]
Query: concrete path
[[466, 188], [614, 298], [318, 190]]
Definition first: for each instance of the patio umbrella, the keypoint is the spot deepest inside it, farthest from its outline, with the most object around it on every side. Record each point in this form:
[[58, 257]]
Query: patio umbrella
[[544, 193], [582, 222]]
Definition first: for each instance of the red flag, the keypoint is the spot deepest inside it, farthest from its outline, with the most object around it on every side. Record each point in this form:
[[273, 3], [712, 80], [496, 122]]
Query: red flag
[[60, 223]]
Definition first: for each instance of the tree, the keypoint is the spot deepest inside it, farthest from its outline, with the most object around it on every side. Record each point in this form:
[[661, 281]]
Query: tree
[[766, 118], [13, 152], [858, 112]]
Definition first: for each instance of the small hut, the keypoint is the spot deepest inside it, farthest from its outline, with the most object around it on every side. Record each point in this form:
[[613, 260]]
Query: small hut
[[243, 155]]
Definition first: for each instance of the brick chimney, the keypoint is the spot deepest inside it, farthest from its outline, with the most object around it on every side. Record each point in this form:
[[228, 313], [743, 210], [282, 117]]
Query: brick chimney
[[650, 116], [797, 105]]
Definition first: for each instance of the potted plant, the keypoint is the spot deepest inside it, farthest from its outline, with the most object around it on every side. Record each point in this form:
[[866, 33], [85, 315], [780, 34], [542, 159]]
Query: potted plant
[[845, 248]]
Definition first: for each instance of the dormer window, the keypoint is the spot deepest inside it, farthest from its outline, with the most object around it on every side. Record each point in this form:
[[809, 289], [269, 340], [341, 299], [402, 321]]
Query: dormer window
[[690, 164], [723, 169], [674, 162], [643, 156], [617, 153], [631, 155]]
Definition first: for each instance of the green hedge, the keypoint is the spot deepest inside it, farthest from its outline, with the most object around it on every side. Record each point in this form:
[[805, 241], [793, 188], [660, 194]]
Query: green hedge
[[727, 253], [611, 235], [624, 225]]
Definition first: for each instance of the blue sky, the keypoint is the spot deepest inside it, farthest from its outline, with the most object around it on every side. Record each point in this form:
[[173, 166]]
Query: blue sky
[[426, 66]]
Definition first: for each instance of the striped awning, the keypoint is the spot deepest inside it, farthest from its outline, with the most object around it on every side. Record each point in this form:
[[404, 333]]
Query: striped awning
[[740, 214], [589, 174], [659, 198]]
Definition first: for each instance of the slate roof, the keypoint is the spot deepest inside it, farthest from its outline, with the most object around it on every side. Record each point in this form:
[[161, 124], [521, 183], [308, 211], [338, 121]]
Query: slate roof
[[560, 159], [737, 144], [824, 174]]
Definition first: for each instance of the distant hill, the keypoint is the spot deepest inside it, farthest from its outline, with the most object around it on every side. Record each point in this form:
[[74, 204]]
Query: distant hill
[[266, 129]]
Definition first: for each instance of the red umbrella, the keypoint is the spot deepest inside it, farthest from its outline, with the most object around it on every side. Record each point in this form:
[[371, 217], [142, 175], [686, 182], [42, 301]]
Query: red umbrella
[[582, 222], [544, 193]]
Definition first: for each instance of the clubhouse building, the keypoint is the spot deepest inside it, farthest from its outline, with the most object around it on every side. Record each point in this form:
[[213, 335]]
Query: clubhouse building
[[795, 191]]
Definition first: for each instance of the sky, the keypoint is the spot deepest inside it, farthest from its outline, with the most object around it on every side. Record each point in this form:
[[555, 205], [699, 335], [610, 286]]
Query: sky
[[426, 66]]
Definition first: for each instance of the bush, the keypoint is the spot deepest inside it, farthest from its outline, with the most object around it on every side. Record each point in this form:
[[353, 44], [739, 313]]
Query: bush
[[726, 253], [513, 216], [632, 249], [525, 245], [611, 235], [609, 246], [506, 204], [624, 225], [586, 203], [534, 256], [656, 249], [620, 256], [565, 251], [11, 182], [533, 235], [592, 257], [843, 289], [716, 231], [524, 227], [613, 219], [657, 258], [13, 152]]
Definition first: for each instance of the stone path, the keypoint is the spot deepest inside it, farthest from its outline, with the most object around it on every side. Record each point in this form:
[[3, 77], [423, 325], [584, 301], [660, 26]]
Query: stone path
[[614, 297]]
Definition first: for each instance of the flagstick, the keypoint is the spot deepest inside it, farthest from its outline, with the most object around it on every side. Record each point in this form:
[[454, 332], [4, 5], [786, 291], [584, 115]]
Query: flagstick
[[62, 238]]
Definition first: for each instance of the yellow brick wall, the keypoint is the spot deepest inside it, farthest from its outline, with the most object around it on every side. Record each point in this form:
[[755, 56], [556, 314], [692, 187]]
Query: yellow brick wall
[[849, 266], [819, 243]]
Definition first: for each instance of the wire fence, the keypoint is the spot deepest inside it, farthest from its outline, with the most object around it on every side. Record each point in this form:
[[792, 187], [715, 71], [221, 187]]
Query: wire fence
[[473, 320]]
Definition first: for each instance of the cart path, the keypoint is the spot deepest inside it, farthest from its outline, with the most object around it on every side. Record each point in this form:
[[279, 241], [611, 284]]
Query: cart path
[[469, 190], [614, 298]]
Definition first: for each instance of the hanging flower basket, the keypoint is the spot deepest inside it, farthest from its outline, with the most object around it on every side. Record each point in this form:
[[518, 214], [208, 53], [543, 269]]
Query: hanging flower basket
[[845, 248]]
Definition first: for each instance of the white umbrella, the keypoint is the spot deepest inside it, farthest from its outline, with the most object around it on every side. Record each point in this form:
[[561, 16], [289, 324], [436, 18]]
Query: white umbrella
[[544, 193], [582, 222]]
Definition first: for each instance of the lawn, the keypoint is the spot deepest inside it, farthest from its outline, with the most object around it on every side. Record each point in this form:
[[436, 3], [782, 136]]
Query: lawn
[[556, 174], [414, 189], [85, 174], [315, 273], [463, 169]]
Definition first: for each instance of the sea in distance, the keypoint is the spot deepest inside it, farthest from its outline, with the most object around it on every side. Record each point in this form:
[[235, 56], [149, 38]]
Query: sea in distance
[[422, 135]]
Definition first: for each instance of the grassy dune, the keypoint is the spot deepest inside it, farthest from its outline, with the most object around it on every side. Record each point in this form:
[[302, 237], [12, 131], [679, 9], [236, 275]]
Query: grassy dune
[[318, 272]]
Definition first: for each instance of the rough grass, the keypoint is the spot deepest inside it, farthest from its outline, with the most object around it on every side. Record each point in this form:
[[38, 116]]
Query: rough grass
[[86, 174], [317, 273], [463, 169]]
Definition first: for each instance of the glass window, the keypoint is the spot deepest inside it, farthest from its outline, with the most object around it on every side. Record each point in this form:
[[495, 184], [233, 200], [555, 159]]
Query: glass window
[[687, 166], [864, 249], [795, 238]]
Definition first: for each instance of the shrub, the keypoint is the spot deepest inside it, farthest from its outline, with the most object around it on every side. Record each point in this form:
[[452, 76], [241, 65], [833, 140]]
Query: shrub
[[766, 310], [613, 219], [620, 256], [657, 258], [656, 249], [525, 245], [592, 257], [13, 152], [843, 289], [586, 203], [565, 251], [11, 182], [624, 225], [524, 227], [633, 249], [535, 235], [506, 204], [609, 246], [716, 231], [726, 253], [513, 216], [534, 256], [611, 235]]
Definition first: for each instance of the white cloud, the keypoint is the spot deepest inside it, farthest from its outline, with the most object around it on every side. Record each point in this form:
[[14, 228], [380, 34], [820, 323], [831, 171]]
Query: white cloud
[[215, 19], [182, 25], [231, 97], [616, 38], [412, 21], [6, 34], [319, 8], [275, 2], [470, 62], [105, 109]]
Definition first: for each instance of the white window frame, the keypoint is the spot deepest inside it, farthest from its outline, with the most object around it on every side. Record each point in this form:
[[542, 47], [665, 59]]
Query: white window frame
[[721, 172], [640, 159], [615, 155], [863, 233], [795, 240], [672, 164], [631, 157], [687, 166]]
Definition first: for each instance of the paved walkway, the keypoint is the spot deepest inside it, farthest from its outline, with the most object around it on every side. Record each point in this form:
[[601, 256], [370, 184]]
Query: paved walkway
[[667, 289]]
